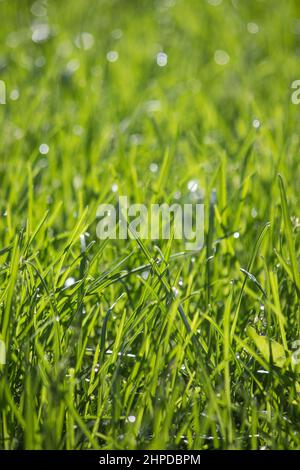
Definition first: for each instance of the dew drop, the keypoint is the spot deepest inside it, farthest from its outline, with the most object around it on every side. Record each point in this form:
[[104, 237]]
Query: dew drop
[[145, 275], [77, 182], [84, 41], [175, 291], [254, 213], [72, 66], [153, 167], [221, 57], [112, 56], [40, 62], [117, 34], [192, 186], [44, 149], [131, 419], [161, 59], [69, 282], [14, 94], [18, 133], [252, 28], [40, 32], [77, 130], [38, 9]]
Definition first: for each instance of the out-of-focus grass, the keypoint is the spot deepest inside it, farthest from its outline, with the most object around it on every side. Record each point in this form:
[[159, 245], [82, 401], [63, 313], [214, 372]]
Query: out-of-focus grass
[[107, 361]]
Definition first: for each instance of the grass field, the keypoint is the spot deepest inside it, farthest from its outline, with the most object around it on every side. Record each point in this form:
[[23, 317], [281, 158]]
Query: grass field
[[136, 344]]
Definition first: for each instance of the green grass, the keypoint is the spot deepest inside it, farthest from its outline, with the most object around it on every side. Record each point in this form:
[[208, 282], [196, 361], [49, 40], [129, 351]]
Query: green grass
[[211, 366]]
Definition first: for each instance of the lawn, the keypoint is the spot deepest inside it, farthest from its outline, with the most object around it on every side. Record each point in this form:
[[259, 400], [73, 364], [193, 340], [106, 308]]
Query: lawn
[[141, 343]]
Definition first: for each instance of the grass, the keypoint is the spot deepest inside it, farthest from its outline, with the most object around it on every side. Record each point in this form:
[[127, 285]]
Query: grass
[[140, 344]]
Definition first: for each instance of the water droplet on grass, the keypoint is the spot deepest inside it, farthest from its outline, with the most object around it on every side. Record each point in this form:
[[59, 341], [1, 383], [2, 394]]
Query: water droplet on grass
[[77, 130], [153, 167], [77, 182], [112, 56], [39, 9], [161, 59], [40, 32], [84, 41], [252, 28], [192, 186], [145, 275], [69, 282], [14, 94], [221, 57], [136, 139], [131, 419], [175, 291], [44, 149], [18, 133], [117, 33], [152, 106], [254, 213], [72, 66], [40, 61]]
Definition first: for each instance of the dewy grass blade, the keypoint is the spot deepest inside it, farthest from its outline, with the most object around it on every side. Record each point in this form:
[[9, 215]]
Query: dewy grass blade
[[289, 234], [249, 268]]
